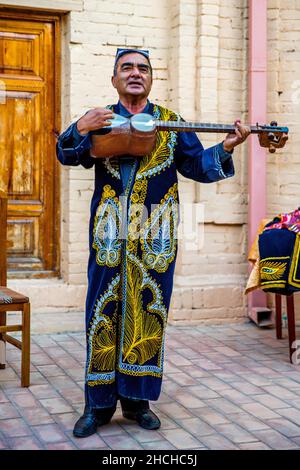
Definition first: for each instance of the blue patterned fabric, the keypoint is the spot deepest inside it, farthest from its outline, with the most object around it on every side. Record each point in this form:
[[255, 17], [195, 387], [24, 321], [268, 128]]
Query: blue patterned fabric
[[279, 265], [130, 280]]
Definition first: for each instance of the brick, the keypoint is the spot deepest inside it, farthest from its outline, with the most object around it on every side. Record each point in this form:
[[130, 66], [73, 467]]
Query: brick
[[66, 420], [181, 439], [276, 440], [37, 415], [61, 383], [291, 414], [254, 446], [49, 433], [281, 392], [285, 427], [50, 370], [24, 400], [76, 373], [260, 411], [271, 402], [248, 422], [247, 388], [61, 446], [196, 426], [174, 410], [183, 379], [3, 398], [158, 445], [56, 405], [210, 416], [14, 427], [43, 391], [25, 443], [223, 405], [8, 411], [40, 359], [114, 442], [217, 442], [7, 374], [142, 435], [73, 395], [235, 433], [236, 397], [189, 401]]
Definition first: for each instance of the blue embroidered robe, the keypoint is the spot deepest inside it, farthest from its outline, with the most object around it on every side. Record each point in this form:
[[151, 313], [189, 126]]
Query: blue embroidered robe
[[130, 280]]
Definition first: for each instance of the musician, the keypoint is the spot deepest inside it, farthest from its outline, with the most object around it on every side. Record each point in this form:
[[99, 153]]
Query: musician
[[130, 280]]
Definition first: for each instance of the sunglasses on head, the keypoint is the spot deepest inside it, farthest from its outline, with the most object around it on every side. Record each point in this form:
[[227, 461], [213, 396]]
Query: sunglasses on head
[[121, 51]]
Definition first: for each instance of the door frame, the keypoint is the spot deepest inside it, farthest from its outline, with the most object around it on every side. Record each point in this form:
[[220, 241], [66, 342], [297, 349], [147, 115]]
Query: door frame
[[33, 14]]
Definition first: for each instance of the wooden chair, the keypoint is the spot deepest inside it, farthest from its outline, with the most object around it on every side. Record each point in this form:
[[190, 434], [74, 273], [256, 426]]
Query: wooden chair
[[12, 301], [290, 320]]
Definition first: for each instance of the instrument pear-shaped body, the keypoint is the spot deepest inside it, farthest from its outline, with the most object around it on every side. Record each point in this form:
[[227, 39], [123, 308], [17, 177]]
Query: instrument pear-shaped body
[[136, 136]]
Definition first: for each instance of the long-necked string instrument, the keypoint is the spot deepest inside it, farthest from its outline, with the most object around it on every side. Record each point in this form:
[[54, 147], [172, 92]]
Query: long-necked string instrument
[[137, 135]]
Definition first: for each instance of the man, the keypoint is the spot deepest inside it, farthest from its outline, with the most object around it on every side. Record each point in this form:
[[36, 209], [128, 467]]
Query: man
[[130, 280]]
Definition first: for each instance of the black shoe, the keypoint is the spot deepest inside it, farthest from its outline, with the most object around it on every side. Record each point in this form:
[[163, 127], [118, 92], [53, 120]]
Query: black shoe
[[91, 419], [139, 411]]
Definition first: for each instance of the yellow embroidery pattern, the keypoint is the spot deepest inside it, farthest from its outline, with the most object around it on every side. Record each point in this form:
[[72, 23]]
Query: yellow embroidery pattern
[[107, 224], [102, 337], [162, 155], [272, 270], [142, 334], [136, 213], [295, 263], [104, 344], [159, 234]]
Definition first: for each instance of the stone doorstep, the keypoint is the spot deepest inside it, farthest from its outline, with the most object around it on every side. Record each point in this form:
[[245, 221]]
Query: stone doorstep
[[58, 307], [51, 295]]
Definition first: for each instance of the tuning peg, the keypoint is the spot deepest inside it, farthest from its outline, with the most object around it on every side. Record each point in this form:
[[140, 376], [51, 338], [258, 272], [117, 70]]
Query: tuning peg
[[271, 136], [272, 149]]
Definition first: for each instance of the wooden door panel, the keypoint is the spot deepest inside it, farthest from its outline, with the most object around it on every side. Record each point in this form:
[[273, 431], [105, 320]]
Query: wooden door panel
[[28, 168], [20, 115], [20, 52], [20, 138], [21, 232]]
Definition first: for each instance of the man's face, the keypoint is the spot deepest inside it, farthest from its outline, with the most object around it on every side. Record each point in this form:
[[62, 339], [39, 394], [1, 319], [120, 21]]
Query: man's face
[[133, 76]]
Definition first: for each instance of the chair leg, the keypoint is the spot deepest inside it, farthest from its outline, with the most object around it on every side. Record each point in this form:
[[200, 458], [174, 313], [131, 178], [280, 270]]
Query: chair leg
[[278, 316], [2, 341], [25, 368], [291, 323]]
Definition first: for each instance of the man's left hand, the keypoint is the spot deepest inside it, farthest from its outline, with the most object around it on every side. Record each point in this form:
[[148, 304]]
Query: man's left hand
[[232, 140]]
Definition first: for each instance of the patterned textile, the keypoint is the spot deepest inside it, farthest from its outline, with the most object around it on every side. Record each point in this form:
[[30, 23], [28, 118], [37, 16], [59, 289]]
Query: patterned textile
[[279, 261], [6, 299], [291, 221], [130, 280], [276, 255]]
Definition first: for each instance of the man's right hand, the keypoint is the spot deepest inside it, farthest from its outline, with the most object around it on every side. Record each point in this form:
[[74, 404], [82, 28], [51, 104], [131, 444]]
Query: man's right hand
[[94, 119]]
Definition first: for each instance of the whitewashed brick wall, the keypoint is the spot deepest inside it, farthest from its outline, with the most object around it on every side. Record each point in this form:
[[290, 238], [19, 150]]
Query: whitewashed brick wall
[[199, 52]]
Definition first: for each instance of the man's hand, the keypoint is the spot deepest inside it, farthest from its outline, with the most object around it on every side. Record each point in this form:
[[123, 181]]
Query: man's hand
[[94, 119], [232, 140]]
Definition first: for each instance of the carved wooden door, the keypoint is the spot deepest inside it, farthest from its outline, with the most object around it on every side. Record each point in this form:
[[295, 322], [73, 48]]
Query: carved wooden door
[[29, 93]]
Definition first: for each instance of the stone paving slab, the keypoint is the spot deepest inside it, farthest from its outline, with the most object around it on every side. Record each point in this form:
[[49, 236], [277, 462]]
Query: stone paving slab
[[224, 387]]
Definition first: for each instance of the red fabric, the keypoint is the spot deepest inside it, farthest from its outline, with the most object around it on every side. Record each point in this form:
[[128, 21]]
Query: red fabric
[[291, 221]]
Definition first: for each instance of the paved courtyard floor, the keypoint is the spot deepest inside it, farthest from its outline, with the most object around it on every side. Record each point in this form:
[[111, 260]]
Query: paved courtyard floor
[[225, 387]]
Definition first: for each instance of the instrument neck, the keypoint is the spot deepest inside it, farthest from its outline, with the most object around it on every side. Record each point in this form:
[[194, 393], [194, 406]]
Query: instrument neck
[[200, 127]]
